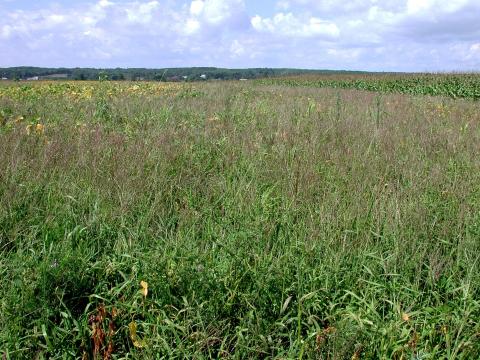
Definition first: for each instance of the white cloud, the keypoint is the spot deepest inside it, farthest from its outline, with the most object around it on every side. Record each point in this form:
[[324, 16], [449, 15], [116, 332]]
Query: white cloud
[[105, 3], [345, 54], [475, 48], [215, 12], [192, 26], [213, 17], [356, 34], [433, 6], [196, 7], [335, 7], [6, 31], [290, 25], [237, 48], [141, 12]]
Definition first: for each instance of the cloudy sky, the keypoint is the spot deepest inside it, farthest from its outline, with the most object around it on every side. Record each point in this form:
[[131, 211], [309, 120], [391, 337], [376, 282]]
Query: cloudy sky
[[384, 35]]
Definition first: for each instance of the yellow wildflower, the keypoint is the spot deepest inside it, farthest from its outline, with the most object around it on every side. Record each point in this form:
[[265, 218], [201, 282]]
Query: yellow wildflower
[[144, 289], [40, 129]]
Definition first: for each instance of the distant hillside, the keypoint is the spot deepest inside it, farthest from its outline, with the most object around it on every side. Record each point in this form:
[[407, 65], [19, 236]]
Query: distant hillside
[[166, 74]]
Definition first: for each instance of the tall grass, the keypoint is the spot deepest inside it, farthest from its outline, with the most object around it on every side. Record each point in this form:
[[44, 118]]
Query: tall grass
[[264, 222]]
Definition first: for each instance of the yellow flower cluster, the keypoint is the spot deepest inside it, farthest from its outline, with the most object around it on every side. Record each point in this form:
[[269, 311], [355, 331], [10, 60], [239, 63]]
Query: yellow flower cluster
[[38, 129]]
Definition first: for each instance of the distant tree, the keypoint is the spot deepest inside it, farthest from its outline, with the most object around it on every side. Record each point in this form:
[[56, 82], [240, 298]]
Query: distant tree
[[103, 76], [159, 76]]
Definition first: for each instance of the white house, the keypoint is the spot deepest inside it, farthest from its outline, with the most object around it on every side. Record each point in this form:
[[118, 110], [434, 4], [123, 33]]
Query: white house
[[203, 76]]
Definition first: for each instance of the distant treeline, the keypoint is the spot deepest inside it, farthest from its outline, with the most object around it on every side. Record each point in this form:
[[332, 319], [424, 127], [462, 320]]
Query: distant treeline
[[166, 74]]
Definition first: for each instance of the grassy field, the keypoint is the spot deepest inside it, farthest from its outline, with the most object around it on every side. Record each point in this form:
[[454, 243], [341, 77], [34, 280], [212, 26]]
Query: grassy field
[[237, 220]]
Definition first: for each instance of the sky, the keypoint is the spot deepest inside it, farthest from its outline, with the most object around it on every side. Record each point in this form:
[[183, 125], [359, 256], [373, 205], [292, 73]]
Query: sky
[[372, 35]]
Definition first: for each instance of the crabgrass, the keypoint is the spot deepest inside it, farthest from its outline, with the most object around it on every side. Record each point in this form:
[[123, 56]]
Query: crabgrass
[[238, 221]]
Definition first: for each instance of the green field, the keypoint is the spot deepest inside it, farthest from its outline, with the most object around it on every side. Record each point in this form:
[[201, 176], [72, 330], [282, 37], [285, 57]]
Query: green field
[[237, 220], [451, 85]]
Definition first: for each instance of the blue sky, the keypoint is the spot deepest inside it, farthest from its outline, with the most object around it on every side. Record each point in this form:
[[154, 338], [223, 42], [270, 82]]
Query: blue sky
[[381, 35]]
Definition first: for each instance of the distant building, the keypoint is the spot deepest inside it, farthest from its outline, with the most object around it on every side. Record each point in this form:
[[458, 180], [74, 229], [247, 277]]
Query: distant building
[[33, 78], [203, 76], [185, 77], [4, 78], [242, 79]]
